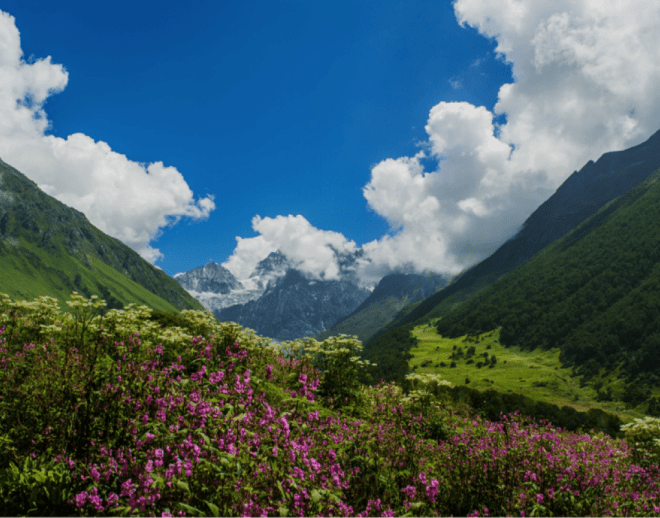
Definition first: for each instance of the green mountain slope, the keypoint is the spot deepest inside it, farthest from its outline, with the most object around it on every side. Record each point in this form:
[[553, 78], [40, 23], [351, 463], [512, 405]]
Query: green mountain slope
[[580, 196], [368, 321], [48, 248], [594, 294], [394, 292]]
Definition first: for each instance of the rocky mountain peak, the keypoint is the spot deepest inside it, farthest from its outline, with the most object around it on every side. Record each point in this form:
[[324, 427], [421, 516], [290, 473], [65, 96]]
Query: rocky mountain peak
[[209, 278], [276, 262]]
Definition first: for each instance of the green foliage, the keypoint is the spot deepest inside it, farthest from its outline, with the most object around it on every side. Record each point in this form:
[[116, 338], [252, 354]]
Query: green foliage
[[594, 294], [491, 404], [85, 392], [644, 436], [391, 352], [38, 488], [344, 372]]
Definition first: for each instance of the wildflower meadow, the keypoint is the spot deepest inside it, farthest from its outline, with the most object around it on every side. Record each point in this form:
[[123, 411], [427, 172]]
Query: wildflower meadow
[[111, 413]]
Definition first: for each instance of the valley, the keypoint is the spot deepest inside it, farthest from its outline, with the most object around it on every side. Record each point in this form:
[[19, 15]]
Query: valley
[[537, 374]]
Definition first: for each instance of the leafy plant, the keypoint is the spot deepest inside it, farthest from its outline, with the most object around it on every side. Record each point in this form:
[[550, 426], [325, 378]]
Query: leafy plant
[[108, 413]]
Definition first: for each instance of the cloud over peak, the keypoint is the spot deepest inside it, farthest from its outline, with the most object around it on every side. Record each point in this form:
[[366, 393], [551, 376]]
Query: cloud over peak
[[585, 82], [584, 76]]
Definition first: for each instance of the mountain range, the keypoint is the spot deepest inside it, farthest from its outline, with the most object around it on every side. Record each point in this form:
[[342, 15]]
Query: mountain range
[[217, 288], [281, 303], [400, 298], [580, 275]]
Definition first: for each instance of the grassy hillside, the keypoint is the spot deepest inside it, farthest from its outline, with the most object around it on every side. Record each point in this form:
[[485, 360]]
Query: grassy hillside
[[31, 278], [594, 294], [483, 363], [49, 249], [368, 321], [613, 271]]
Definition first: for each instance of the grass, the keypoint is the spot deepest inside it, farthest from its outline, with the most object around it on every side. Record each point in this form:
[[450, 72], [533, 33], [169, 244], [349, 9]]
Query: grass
[[113, 414], [536, 374], [44, 272]]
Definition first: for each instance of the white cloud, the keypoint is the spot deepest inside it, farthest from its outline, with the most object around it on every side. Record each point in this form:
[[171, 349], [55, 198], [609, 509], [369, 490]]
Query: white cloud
[[580, 69], [455, 83], [307, 247], [586, 75], [127, 200]]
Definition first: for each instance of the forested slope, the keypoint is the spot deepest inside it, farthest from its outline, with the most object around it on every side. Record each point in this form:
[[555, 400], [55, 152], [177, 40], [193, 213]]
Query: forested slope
[[579, 197], [595, 294]]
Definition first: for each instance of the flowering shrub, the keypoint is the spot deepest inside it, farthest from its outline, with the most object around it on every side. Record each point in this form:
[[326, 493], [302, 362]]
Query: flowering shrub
[[109, 414]]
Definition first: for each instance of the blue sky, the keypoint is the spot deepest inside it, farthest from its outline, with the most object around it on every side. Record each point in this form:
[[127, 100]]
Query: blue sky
[[358, 124]]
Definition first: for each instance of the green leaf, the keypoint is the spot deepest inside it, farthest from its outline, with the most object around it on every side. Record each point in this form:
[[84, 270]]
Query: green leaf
[[158, 482], [214, 508], [205, 437], [281, 491], [315, 496], [183, 485], [191, 509], [284, 511]]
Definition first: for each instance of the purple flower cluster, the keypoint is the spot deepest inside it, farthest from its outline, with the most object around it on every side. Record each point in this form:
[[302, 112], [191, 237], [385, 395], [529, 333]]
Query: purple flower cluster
[[231, 433]]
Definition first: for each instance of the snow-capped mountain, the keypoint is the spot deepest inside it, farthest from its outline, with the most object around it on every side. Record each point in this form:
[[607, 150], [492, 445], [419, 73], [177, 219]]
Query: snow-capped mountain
[[209, 278], [294, 307], [277, 300], [217, 288], [271, 268]]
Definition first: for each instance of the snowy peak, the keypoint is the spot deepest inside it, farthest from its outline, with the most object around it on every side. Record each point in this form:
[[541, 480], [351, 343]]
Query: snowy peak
[[209, 278], [269, 270], [276, 262]]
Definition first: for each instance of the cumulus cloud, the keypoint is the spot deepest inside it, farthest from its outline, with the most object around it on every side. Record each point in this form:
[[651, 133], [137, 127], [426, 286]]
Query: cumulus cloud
[[312, 251], [127, 200], [585, 83], [586, 76]]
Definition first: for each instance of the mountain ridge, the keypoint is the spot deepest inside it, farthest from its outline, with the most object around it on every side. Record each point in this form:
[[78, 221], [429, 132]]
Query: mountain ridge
[[393, 292], [48, 248], [612, 175], [294, 307], [594, 294]]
